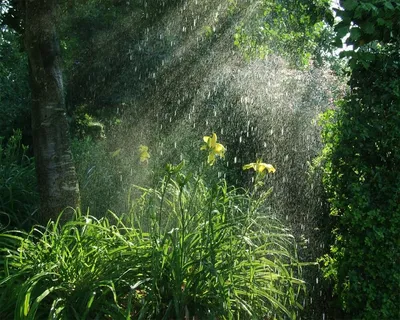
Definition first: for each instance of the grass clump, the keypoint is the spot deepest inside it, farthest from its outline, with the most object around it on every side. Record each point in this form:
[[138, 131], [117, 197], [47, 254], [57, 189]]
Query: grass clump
[[184, 250]]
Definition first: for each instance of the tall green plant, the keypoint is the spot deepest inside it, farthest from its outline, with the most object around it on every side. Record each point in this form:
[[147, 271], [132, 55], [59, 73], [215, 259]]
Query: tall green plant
[[362, 156], [215, 253], [185, 250]]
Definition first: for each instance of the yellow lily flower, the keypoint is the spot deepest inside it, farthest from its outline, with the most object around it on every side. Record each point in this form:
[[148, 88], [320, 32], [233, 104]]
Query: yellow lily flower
[[144, 154], [214, 149], [260, 167]]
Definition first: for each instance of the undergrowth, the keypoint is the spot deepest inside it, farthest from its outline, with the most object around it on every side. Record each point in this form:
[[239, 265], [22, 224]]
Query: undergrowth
[[19, 197], [184, 250]]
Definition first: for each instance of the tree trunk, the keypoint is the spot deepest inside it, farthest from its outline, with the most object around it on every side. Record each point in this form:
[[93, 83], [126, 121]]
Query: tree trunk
[[58, 184]]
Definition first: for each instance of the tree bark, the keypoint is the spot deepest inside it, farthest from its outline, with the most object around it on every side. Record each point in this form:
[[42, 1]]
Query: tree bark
[[58, 184]]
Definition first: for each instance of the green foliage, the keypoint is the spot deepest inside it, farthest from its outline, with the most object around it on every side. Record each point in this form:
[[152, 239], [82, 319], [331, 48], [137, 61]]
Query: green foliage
[[368, 21], [18, 186], [290, 28], [363, 184], [184, 250], [14, 89], [362, 156], [372, 25], [85, 125]]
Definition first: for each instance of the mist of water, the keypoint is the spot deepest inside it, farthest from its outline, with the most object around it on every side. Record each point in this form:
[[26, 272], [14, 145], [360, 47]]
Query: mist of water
[[182, 78]]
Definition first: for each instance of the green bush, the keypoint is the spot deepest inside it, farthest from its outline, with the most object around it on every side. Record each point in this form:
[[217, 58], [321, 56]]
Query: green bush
[[363, 181], [362, 159], [19, 198], [184, 250]]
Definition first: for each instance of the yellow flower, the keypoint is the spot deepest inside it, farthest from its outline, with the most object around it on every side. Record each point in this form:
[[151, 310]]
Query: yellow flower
[[144, 153], [260, 167], [214, 149]]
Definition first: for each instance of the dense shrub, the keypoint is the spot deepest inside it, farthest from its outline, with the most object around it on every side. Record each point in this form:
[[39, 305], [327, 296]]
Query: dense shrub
[[362, 164], [363, 180]]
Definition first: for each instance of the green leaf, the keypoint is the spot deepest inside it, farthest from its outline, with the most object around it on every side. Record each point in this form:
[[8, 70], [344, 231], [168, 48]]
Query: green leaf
[[342, 32], [337, 43], [380, 22], [368, 28], [388, 5], [346, 54], [349, 5], [355, 34]]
